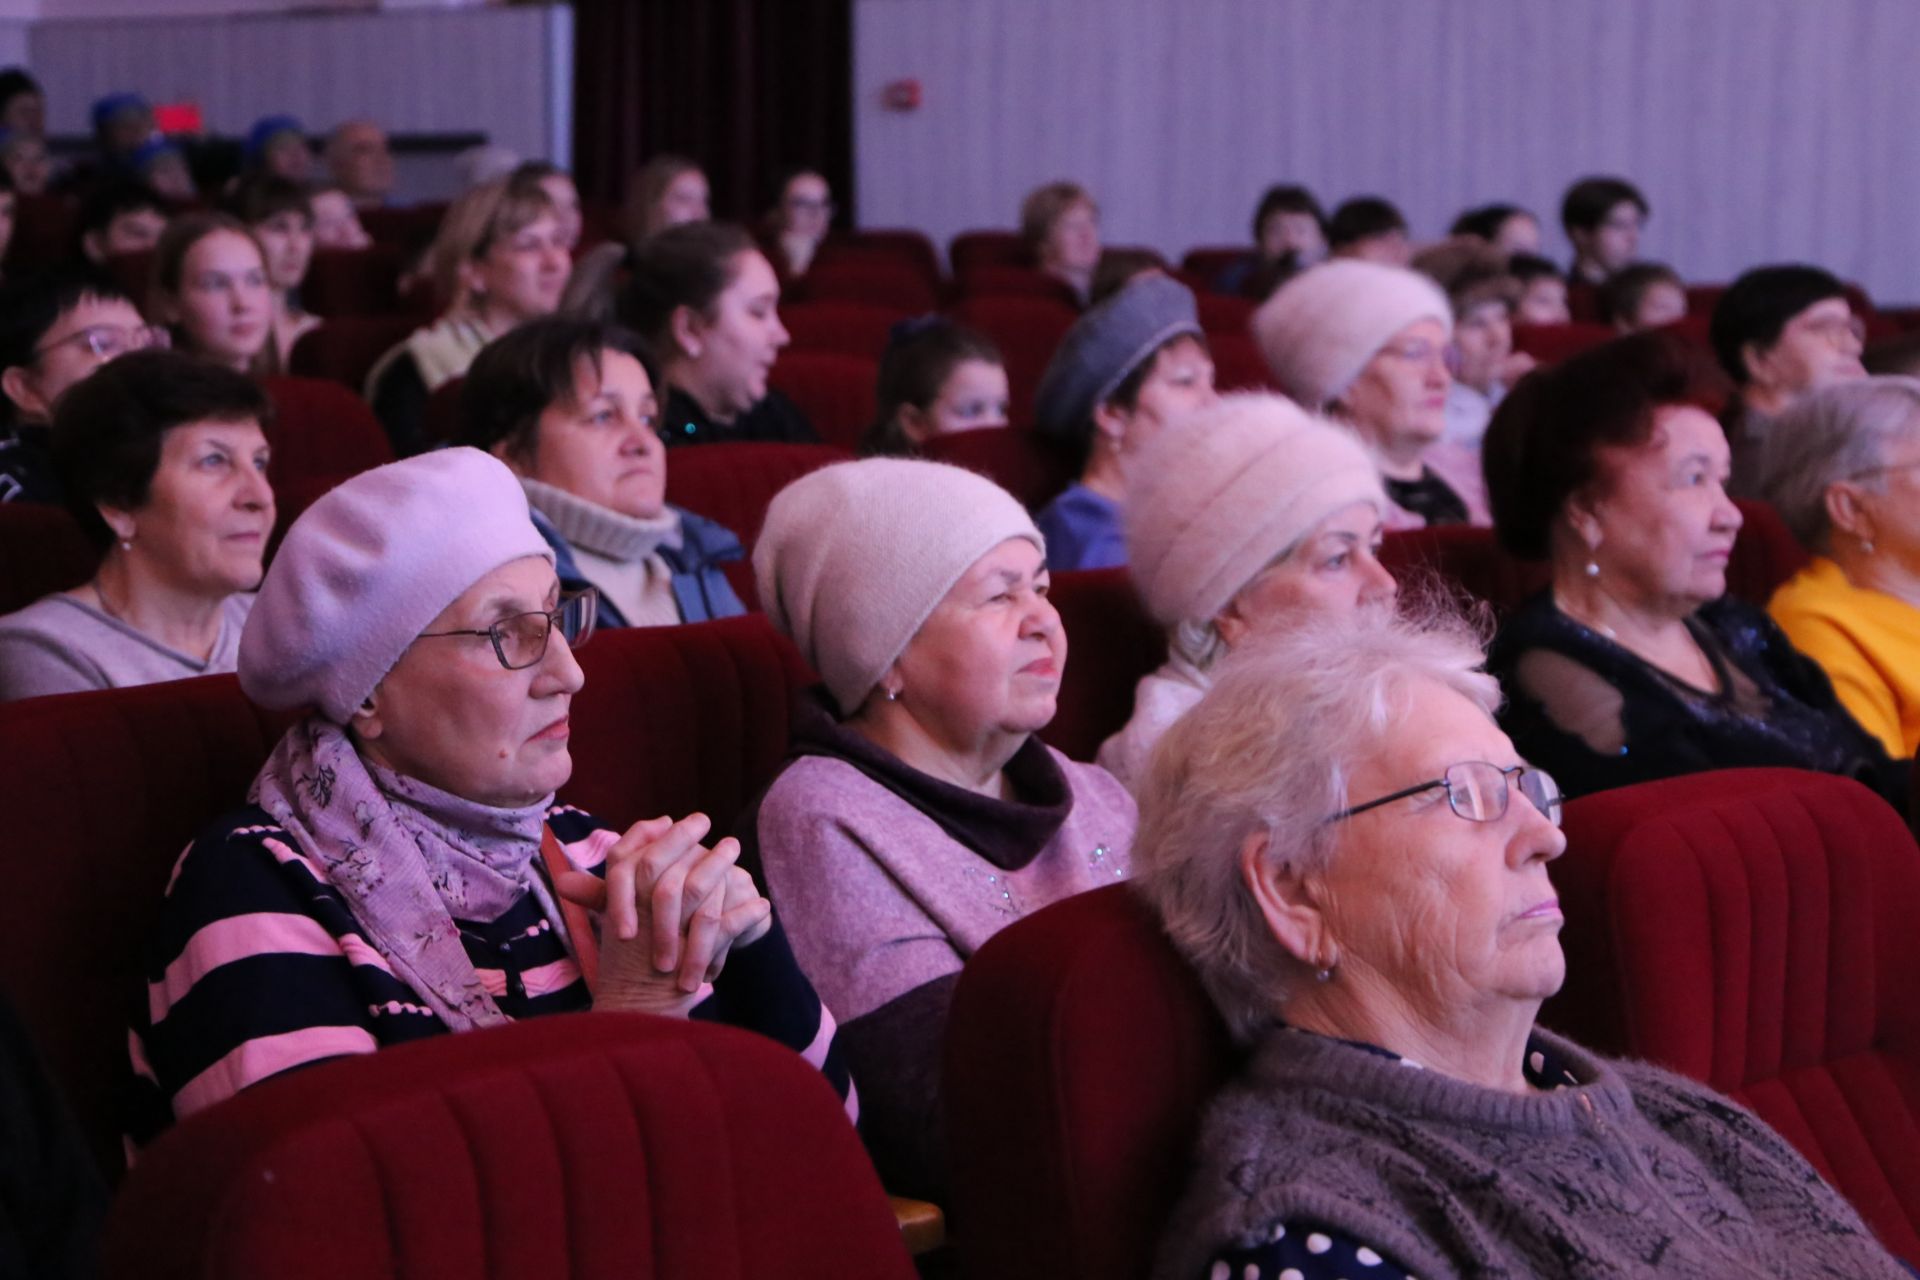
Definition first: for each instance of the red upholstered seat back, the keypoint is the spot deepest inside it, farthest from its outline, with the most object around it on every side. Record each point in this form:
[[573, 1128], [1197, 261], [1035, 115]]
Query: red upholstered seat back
[[576, 1147], [972, 249], [848, 328], [1549, 343], [1011, 280], [733, 483], [42, 550], [853, 276], [1238, 364], [408, 228], [1765, 554], [903, 245], [346, 348], [1027, 331], [1225, 313], [1080, 1052], [1111, 643], [836, 391], [1208, 261], [353, 282], [1755, 929], [322, 429], [1026, 464]]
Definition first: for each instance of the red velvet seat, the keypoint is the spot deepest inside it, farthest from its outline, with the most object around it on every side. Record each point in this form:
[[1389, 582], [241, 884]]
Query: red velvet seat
[[353, 282], [835, 391], [846, 328], [1004, 280], [972, 249], [42, 550], [346, 348], [408, 228], [1755, 929], [883, 281], [1111, 643], [1237, 362], [1026, 464], [576, 1147], [1224, 313], [1550, 343], [322, 429], [1027, 330], [902, 244], [733, 483], [1081, 1051], [1208, 261], [1703, 298]]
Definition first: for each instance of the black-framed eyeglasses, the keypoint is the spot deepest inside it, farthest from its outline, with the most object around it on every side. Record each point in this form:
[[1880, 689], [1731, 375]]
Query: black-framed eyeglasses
[[520, 640], [1478, 792]]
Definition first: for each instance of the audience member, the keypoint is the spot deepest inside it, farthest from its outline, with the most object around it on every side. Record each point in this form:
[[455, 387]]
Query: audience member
[[1121, 267], [1060, 224], [122, 124], [937, 378], [1355, 859], [360, 162], [1482, 294], [1289, 235], [280, 216], [498, 261], [1247, 519], [210, 288], [401, 869], [23, 103], [1370, 229], [706, 299], [1642, 296], [55, 329], [278, 145], [1368, 344], [26, 162], [1841, 466], [336, 223], [1635, 664], [560, 189], [162, 459], [569, 405], [161, 164], [1507, 227], [1602, 217], [666, 191], [918, 814], [120, 217], [1543, 291], [1126, 369], [799, 221], [1779, 332]]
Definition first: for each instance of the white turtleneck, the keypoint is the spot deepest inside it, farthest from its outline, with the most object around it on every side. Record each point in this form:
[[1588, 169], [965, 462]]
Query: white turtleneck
[[619, 554]]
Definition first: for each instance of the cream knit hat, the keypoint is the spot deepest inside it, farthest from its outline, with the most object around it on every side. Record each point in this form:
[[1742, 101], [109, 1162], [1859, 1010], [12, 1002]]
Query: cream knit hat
[[1320, 328], [1222, 493], [854, 557]]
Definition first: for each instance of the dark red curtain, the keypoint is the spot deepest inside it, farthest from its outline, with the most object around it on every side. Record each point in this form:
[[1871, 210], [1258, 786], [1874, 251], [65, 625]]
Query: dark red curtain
[[745, 87]]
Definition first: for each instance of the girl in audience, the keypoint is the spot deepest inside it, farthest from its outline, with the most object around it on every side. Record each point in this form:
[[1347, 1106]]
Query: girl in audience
[[210, 287], [1245, 520], [570, 406], [1841, 466], [281, 218], [1370, 229], [1126, 369], [706, 298], [1289, 235], [1368, 344], [801, 217], [1543, 291], [336, 223], [1507, 227], [1635, 664], [667, 191], [937, 378], [1061, 224], [401, 869], [26, 161], [162, 460], [1642, 296], [500, 260], [278, 145], [919, 813]]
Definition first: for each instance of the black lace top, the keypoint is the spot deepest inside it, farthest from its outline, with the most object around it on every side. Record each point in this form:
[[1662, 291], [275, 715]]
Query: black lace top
[[1596, 715], [1429, 497]]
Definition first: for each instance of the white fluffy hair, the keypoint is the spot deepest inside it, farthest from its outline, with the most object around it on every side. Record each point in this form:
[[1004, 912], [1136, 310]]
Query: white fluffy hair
[[1271, 750], [1829, 435]]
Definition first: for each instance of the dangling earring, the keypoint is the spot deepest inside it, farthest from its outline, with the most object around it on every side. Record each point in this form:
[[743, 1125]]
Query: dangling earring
[[1866, 546], [1323, 975], [893, 695]]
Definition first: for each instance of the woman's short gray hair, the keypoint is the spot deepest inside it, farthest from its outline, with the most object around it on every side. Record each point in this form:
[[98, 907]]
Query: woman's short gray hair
[[1832, 434], [1270, 750]]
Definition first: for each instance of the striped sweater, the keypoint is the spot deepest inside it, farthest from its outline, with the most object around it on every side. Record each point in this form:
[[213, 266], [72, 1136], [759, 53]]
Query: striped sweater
[[257, 967]]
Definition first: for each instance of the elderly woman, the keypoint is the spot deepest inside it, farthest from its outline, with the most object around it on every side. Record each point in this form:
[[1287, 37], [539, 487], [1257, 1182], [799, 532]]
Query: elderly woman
[[1247, 519], [919, 814], [162, 460], [1841, 467], [1355, 859], [1635, 665], [1367, 343], [211, 289], [706, 298], [500, 260], [280, 216], [1061, 226], [401, 869], [1126, 369], [570, 406]]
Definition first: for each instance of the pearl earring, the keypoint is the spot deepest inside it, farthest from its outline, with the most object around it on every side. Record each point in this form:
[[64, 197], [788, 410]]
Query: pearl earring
[[893, 695], [1323, 975], [1593, 569], [1866, 545]]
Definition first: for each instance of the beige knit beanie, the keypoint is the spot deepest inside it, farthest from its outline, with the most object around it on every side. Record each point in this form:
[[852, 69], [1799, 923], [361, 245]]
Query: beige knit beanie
[[1222, 493], [854, 557], [1320, 328]]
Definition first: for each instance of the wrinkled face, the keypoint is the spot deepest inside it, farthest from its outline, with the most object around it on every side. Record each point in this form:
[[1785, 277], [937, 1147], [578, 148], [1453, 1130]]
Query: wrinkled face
[[1520, 233], [1817, 348], [451, 716], [1663, 303], [135, 231], [335, 223], [566, 206], [1454, 915], [1391, 248], [1616, 241], [209, 509], [29, 165], [1543, 300], [988, 660], [1181, 383], [1482, 339], [1334, 571], [522, 275], [602, 443], [973, 397], [289, 156], [225, 302], [685, 200], [1400, 398], [1661, 516], [1073, 241], [362, 162], [25, 113], [1296, 233], [735, 346], [78, 342], [287, 238], [806, 207]]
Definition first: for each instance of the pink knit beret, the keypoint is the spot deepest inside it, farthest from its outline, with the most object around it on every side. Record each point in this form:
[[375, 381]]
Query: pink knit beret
[[1221, 493], [854, 557], [1320, 328], [367, 567]]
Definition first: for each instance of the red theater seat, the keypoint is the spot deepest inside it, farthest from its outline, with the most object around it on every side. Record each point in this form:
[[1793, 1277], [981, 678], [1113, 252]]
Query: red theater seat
[[1081, 1051], [1237, 362], [906, 246], [1004, 281], [346, 348], [1550, 343], [835, 391], [1027, 331], [1208, 261], [42, 550], [882, 280], [1222, 313], [733, 483], [579, 1147], [353, 282], [322, 429], [408, 228], [972, 249], [1026, 464], [845, 328], [1111, 643], [1755, 929]]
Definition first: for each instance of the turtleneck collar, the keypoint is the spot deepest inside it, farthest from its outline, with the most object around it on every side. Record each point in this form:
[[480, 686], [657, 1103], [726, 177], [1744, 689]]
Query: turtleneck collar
[[600, 530]]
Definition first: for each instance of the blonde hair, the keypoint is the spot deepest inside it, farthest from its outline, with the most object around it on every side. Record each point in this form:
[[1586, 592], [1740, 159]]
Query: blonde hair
[[648, 187], [473, 224]]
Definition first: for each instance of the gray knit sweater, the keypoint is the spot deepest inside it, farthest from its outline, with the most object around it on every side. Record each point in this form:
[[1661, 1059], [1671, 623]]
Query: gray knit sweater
[[1633, 1172]]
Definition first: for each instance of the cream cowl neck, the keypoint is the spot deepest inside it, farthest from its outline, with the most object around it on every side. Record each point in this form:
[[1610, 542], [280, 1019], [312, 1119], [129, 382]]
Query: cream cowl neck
[[619, 554]]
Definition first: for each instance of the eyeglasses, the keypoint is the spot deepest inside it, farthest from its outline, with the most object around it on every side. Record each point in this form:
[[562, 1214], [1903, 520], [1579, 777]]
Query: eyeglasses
[[106, 341], [520, 640], [1420, 351], [1478, 792], [1838, 331]]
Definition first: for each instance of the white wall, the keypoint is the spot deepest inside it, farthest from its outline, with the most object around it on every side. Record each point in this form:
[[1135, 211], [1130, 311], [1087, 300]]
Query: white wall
[[1759, 129]]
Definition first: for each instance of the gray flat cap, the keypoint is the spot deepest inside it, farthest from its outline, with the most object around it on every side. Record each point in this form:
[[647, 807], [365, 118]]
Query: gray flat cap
[[1107, 344]]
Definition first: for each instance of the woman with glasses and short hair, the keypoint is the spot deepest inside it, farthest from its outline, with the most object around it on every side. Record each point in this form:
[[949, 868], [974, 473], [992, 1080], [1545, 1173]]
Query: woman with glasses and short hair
[[798, 222], [401, 869], [1355, 859]]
